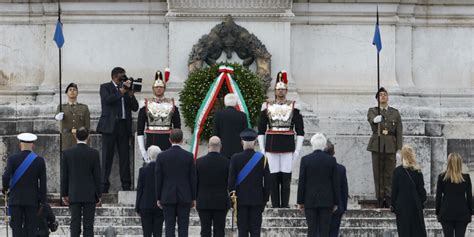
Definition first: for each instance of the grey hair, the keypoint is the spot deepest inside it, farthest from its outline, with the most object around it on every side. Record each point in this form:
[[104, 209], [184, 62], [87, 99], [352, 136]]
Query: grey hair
[[215, 144], [230, 99], [318, 141], [248, 144], [153, 151]]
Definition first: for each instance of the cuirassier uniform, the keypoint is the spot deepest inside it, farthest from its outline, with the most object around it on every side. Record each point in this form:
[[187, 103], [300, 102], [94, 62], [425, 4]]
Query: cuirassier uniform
[[157, 116], [156, 119], [277, 127]]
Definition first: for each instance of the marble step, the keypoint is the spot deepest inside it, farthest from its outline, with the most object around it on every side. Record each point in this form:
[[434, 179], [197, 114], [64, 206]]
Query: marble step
[[268, 212], [194, 231]]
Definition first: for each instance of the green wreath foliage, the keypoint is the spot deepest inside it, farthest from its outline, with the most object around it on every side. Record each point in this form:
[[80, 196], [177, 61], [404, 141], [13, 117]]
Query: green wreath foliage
[[197, 86]]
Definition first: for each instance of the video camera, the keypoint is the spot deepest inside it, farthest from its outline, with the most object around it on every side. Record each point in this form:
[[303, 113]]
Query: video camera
[[136, 85]]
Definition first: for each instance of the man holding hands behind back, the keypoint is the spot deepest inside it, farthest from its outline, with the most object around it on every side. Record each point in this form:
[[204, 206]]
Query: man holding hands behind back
[[80, 183]]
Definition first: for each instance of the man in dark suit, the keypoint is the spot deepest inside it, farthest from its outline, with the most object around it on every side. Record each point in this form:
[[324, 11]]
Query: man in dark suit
[[252, 190], [80, 183], [115, 125], [318, 187], [228, 124], [175, 177], [151, 215], [212, 194], [25, 188], [342, 207]]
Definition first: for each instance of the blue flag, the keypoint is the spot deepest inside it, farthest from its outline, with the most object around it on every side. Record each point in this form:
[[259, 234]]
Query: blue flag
[[377, 39], [58, 34]]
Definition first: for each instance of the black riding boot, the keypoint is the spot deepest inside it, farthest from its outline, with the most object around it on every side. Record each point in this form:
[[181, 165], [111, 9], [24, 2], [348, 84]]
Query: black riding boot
[[285, 189], [275, 195]]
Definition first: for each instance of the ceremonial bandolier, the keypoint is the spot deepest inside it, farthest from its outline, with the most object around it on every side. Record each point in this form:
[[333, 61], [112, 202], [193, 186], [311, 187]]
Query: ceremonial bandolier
[[74, 115], [279, 120], [157, 117], [388, 129]]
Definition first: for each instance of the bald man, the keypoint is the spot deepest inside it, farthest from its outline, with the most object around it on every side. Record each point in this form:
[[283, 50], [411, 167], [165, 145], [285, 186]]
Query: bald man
[[212, 199]]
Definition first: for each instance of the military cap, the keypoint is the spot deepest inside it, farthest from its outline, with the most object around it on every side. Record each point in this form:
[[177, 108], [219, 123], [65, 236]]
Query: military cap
[[248, 134], [382, 89], [72, 84], [27, 137]]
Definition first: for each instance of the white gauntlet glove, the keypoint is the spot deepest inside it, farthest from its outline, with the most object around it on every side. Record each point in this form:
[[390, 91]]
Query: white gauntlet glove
[[141, 146], [59, 116], [261, 143], [378, 119], [299, 145]]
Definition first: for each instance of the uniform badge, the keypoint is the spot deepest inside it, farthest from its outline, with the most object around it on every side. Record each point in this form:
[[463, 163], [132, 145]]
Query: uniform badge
[[385, 132]]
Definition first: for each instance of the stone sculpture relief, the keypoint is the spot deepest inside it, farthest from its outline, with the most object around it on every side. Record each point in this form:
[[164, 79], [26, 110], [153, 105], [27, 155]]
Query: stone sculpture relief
[[228, 37]]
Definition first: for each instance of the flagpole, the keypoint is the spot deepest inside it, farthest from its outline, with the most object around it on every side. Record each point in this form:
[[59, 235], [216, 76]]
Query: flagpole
[[378, 113], [59, 86]]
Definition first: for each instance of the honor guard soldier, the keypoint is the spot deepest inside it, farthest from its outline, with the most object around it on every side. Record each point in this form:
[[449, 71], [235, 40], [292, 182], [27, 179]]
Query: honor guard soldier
[[24, 182], [72, 115], [157, 117], [384, 143], [249, 185], [279, 120]]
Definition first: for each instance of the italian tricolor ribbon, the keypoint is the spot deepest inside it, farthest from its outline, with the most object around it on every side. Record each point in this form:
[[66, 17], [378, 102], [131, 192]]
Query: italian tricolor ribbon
[[209, 100]]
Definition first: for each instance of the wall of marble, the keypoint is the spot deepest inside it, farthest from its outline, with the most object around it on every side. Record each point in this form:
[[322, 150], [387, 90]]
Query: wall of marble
[[426, 64]]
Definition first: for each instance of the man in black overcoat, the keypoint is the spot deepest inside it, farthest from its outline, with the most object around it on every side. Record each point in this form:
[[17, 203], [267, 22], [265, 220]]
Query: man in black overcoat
[[253, 190], [342, 207], [228, 124], [151, 215], [212, 193], [24, 194], [115, 124], [318, 187], [80, 183], [175, 177]]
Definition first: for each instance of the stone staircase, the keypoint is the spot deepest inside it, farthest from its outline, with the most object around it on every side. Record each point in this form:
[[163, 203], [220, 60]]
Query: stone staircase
[[276, 222]]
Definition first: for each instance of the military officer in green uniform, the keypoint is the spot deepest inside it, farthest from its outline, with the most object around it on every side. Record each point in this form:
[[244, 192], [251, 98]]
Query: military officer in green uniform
[[388, 126], [73, 115]]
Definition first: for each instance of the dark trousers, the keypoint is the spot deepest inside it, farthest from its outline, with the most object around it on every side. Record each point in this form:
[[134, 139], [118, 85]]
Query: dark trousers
[[179, 212], [82, 212], [335, 224], [23, 220], [214, 219], [120, 138], [454, 228], [249, 220], [383, 167], [152, 222], [318, 220], [280, 193]]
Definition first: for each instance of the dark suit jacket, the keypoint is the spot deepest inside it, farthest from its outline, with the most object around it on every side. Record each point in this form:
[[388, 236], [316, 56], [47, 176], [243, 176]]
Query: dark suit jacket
[[342, 207], [319, 184], [80, 174], [212, 176], [175, 176], [110, 99], [255, 189], [146, 198], [454, 201], [31, 187], [228, 123]]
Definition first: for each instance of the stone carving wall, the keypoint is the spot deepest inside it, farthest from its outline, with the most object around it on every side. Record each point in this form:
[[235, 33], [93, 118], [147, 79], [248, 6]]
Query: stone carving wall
[[226, 38]]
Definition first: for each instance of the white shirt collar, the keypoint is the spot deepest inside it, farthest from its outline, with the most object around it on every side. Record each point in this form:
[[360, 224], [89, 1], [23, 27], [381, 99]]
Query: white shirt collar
[[81, 142]]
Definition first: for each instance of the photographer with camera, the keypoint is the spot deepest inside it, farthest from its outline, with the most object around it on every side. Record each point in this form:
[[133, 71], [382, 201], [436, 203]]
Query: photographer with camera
[[115, 124]]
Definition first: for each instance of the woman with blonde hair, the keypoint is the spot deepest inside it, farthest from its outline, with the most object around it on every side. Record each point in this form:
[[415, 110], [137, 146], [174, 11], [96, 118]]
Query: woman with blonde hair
[[454, 198], [409, 195]]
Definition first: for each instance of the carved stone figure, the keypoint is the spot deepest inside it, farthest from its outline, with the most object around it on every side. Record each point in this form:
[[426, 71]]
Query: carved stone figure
[[228, 37]]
